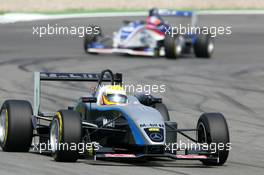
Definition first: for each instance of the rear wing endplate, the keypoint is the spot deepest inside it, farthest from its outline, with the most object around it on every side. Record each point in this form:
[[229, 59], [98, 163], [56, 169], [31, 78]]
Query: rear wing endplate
[[51, 76], [179, 13]]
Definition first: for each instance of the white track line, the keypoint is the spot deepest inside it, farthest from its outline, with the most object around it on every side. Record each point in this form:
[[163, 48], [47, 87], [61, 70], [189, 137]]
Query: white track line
[[24, 17]]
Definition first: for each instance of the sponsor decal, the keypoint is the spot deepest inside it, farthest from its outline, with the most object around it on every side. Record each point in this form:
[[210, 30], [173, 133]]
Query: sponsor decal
[[157, 137], [154, 129], [151, 125]]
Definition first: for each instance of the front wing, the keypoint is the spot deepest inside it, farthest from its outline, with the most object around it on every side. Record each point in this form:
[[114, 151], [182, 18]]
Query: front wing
[[165, 155], [146, 52]]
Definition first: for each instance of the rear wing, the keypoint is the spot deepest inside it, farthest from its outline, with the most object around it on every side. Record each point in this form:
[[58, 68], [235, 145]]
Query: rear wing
[[51, 76], [179, 13]]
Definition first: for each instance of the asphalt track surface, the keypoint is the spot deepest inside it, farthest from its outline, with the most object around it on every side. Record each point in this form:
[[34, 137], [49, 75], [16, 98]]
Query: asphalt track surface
[[232, 82]]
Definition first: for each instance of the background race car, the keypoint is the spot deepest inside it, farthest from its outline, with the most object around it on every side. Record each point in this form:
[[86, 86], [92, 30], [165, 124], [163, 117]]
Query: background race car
[[154, 37]]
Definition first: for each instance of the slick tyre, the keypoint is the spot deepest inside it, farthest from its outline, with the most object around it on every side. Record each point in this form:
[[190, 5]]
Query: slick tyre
[[89, 39], [212, 129], [204, 46], [65, 131], [173, 46], [16, 128]]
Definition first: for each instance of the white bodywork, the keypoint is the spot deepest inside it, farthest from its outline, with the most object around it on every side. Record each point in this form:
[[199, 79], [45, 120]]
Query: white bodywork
[[138, 37]]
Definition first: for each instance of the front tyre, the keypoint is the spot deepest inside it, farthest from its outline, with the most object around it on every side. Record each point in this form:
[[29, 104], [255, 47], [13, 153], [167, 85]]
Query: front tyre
[[212, 129], [89, 39], [16, 128], [173, 46], [65, 135]]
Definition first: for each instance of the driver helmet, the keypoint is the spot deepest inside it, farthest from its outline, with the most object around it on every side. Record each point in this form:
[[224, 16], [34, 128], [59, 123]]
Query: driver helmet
[[153, 20], [113, 95]]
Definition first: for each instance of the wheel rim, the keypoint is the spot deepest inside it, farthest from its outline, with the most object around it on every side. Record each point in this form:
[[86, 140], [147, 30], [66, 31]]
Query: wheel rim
[[54, 135], [201, 134], [178, 49], [210, 47], [178, 45], [3, 126]]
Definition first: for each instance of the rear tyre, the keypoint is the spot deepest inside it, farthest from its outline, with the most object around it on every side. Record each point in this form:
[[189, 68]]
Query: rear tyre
[[212, 129], [204, 46], [173, 46], [65, 131], [16, 128]]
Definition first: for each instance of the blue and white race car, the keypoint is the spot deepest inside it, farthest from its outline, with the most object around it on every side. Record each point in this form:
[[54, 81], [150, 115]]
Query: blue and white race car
[[111, 124], [153, 37]]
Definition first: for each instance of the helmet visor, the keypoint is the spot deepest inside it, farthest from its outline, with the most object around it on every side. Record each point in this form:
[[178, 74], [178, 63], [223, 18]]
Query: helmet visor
[[116, 98]]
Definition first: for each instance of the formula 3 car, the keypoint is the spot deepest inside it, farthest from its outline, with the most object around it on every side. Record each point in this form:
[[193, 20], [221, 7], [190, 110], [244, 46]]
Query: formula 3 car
[[153, 37], [123, 126]]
